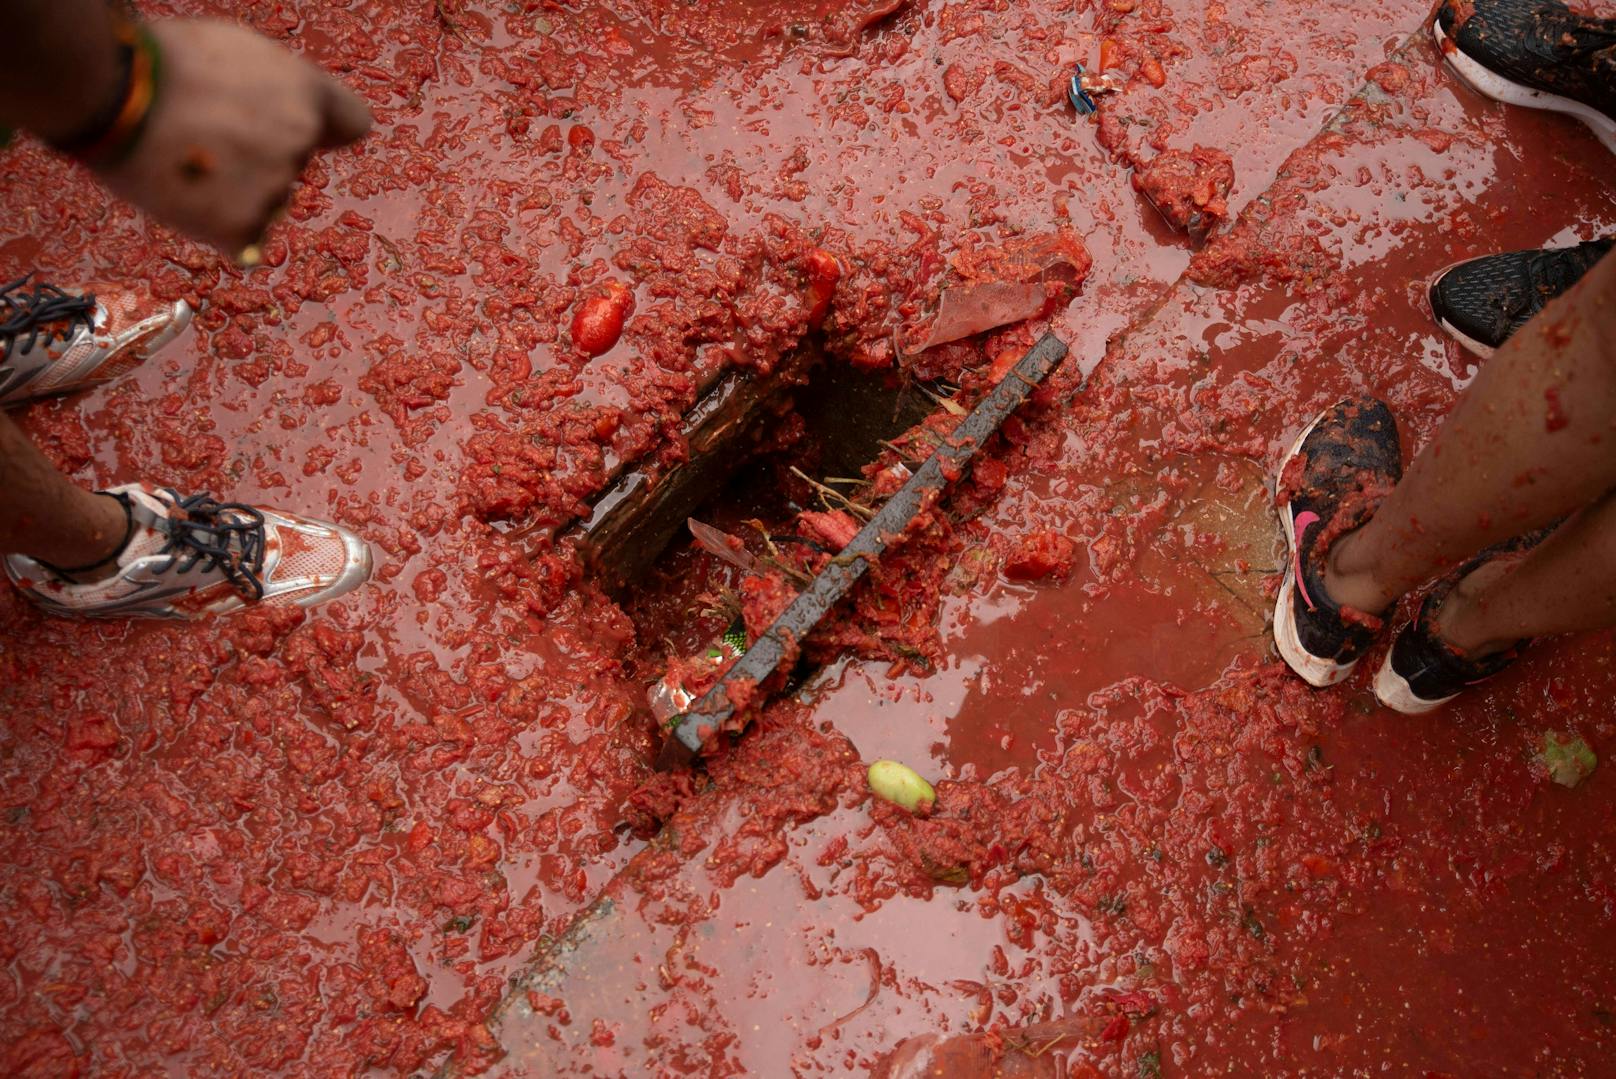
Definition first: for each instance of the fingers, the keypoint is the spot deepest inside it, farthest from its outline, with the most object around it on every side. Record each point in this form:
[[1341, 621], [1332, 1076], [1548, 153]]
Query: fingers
[[346, 116], [246, 248], [238, 121]]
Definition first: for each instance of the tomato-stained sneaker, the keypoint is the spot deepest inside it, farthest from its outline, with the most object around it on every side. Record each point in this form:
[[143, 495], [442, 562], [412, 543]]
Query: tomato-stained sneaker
[[1483, 301], [1337, 472], [53, 341], [190, 557], [1537, 53], [1420, 670]]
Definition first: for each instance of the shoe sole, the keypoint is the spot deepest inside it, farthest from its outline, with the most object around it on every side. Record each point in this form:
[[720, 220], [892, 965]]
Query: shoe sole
[[1393, 691], [1468, 343], [1313, 670], [1493, 85]]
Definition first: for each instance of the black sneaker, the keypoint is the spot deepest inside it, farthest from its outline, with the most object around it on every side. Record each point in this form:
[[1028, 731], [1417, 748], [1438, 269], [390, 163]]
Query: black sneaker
[[1335, 475], [1483, 301], [1421, 671], [1537, 53]]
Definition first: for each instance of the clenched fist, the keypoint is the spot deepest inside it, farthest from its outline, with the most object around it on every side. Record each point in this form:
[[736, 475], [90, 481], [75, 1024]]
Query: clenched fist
[[236, 119]]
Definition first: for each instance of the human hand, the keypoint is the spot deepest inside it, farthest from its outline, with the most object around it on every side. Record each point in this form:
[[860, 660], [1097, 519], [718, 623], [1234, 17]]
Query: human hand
[[236, 119]]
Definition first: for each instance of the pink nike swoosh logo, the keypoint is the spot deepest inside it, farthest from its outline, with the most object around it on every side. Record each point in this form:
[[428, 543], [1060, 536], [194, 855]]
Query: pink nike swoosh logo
[[1304, 520]]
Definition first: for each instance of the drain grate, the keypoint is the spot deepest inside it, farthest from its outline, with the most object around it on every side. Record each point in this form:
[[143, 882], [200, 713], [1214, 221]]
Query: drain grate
[[715, 709]]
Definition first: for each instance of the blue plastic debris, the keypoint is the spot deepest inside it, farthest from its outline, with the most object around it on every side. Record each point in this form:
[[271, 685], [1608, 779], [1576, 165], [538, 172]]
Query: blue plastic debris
[[1079, 97]]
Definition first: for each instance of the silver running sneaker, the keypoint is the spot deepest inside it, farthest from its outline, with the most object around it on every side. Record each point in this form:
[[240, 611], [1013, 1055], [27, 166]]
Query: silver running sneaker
[[192, 557], [53, 341]]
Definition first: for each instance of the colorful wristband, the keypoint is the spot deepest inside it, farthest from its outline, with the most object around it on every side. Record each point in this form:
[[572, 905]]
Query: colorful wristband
[[112, 136]]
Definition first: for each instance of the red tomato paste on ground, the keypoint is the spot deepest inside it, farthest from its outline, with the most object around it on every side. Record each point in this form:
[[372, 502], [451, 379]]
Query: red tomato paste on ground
[[323, 844]]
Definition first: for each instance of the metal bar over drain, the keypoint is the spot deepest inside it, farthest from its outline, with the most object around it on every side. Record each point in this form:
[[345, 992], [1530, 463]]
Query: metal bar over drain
[[763, 658]]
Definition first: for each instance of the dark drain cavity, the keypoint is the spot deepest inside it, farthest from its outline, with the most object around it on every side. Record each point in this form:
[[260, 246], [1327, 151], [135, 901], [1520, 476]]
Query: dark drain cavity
[[674, 550], [758, 451], [836, 427]]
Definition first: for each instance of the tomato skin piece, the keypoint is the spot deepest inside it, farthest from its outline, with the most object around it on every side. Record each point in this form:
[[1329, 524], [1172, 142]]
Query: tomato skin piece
[[823, 273], [1151, 69], [1110, 53], [598, 322], [420, 837], [1042, 554], [1003, 363]]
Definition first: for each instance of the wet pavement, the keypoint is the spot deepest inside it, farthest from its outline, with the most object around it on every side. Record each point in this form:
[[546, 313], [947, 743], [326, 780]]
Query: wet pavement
[[327, 846]]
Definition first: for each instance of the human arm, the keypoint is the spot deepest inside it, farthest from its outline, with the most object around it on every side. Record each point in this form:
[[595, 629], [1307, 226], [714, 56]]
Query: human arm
[[233, 122]]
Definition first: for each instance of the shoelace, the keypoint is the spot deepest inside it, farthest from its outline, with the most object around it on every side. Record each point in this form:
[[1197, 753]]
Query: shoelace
[[1551, 273], [200, 530], [1581, 46], [1549, 276], [44, 312], [1581, 35]]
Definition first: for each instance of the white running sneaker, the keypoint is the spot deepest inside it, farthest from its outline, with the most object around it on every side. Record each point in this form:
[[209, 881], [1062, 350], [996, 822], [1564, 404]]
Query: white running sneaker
[[190, 557], [53, 341]]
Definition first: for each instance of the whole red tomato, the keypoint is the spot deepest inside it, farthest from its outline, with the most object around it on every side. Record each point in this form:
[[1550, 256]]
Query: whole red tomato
[[598, 321]]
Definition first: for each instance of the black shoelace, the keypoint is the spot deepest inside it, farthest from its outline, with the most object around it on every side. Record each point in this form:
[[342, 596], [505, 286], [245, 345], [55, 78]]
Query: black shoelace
[[42, 312], [226, 536], [1583, 52], [1550, 277], [1585, 35], [1552, 273]]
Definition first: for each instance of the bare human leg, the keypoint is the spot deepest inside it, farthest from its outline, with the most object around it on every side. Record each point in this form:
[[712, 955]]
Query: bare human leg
[[47, 516], [1533, 438]]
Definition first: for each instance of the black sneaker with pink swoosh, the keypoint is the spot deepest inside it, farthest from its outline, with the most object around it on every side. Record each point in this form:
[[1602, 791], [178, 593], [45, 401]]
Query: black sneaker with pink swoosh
[[1336, 473]]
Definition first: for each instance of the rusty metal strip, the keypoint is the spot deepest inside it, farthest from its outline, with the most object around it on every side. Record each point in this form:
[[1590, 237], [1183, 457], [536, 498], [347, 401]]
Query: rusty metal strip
[[764, 657]]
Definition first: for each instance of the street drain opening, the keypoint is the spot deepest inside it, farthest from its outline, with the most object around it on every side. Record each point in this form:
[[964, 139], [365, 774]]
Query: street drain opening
[[755, 448], [819, 417], [768, 472]]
